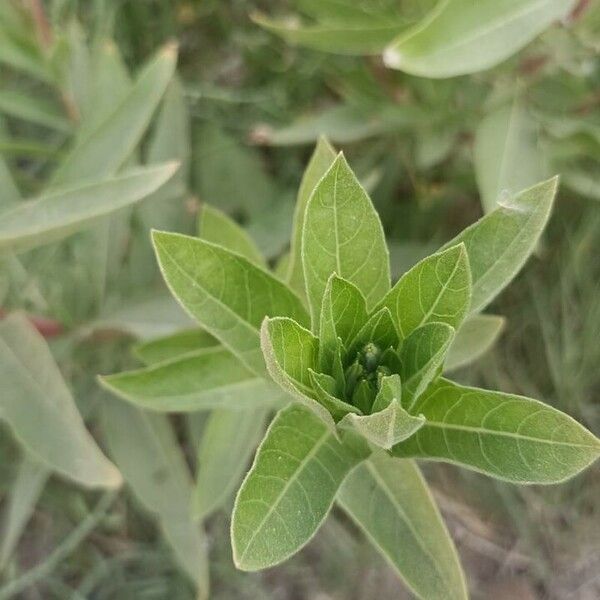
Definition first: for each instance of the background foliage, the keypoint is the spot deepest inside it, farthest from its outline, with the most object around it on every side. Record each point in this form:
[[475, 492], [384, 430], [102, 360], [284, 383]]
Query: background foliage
[[92, 115]]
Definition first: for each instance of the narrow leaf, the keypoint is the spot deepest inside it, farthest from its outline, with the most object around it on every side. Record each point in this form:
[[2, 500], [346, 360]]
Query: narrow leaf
[[289, 490], [174, 346], [389, 500], [343, 234], [226, 293], [499, 244], [62, 212], [506, 436]]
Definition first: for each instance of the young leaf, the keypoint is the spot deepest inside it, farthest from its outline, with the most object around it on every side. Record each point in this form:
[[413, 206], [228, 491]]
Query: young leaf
[[422, 355], [291, 353], [342, 234], [226, 293], [379, 330], [320, 161], [204, 379], [146, 449], [103, 150], [228, 441], [343, 314], [462, 36], [216, 227], [389, 500], [325, 388], [437, 289], [499, 244], [387, 427], [174, 346], [40, 410], [506, 436], [289, 490], [475, 337], [507, 157], [62, 212]]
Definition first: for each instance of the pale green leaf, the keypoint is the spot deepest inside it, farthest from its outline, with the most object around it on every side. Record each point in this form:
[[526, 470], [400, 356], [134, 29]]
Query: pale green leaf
[[34, 110], [390, 501], [289, 490], [174, 346], [366, 38], [462, 36], [62, 212], [228, 440], [507, 156], [437, 289], [475, 337], [20, 503], [227, 294], [291, 353], [200, 380], [147, 451], [387, 427], [499, 243], [325, 388], [320, 161], [104, 149], [506, 436], [343, 234], [216, 227], [39, 408], [422, 356]]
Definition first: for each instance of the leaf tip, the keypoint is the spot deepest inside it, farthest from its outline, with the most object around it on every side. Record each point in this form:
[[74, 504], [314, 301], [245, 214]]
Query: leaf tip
[[392, 58]]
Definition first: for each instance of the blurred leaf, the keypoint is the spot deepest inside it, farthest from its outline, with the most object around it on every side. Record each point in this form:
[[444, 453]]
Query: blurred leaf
[[389, 500], [515, 227], [34, 110], [174, 345], [145, 448], [103, 150], [507, 156], [462, 36], [228, 441], [216, 227], [474, 338], [61, 212], [20, 504], [40, 410], [200, 380]]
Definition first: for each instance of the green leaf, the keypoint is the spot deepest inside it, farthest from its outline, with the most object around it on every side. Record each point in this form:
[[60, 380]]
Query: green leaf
[[499, 244], [216, 227], [147, 451], [321, 160], [326, 388], [291, 353], [475, 337], [461, 36], [228, 441], [62, 212], [343, 234], [200, 380], [39, 408], [20, 504], [387, 427], [366, 38], [422, 355], [289, 490], [389, 500], [174, 346], [343, 314], [226, 293], [506, 436], [507, 155], [379, 330], [34, 110], [437, 289], [104, 149]]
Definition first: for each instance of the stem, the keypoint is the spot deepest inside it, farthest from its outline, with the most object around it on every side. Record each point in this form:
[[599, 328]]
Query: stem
[[42, 25]]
